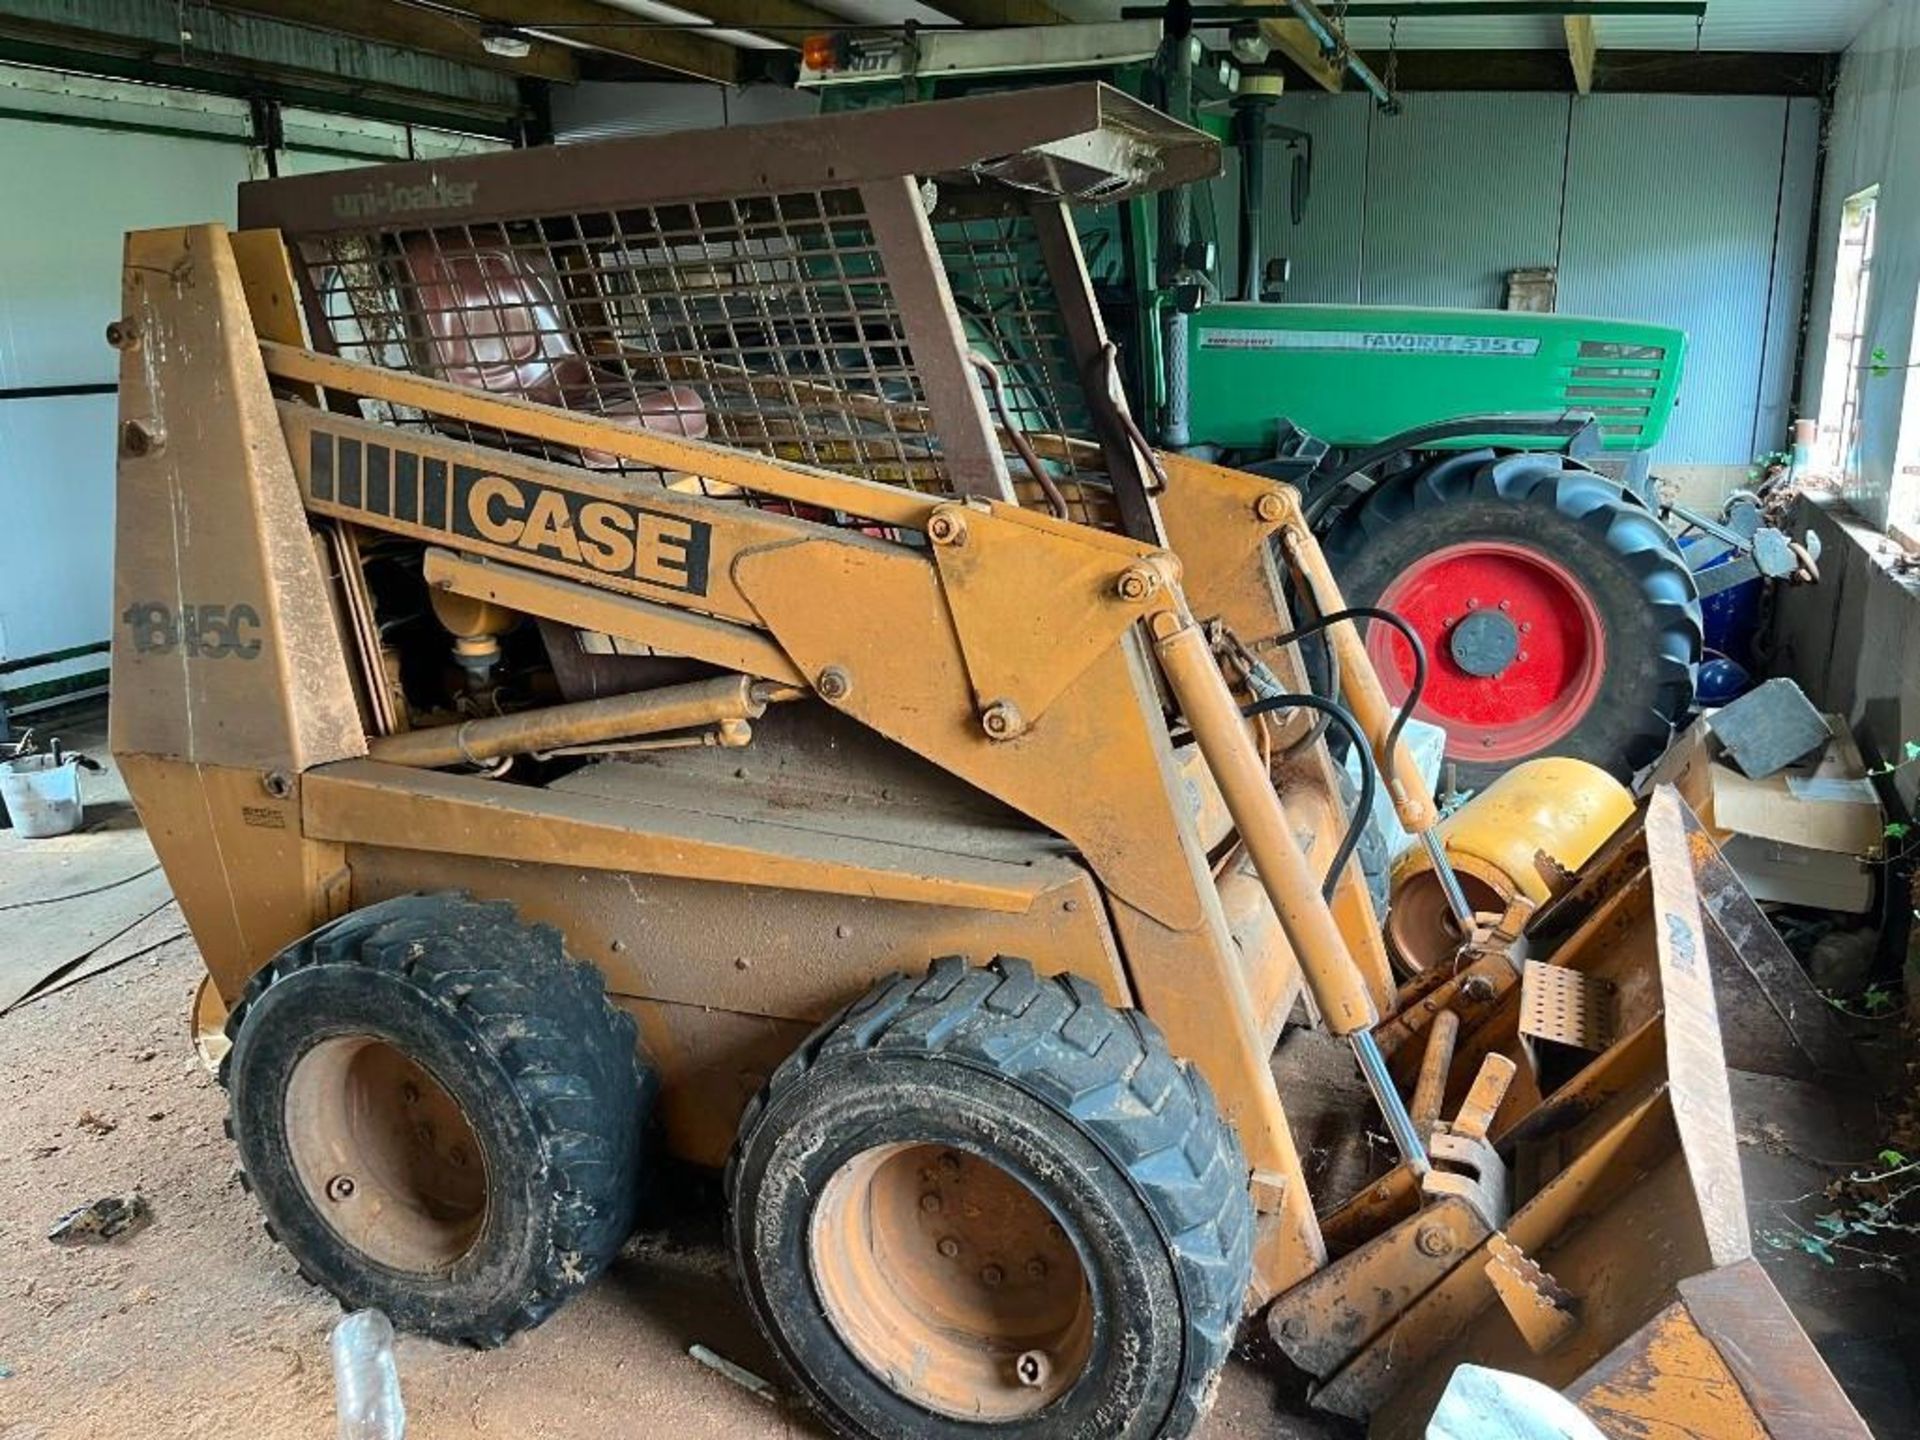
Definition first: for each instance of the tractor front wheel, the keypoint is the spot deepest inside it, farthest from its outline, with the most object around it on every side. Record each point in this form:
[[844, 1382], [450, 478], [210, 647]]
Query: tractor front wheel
[[1557, 614]]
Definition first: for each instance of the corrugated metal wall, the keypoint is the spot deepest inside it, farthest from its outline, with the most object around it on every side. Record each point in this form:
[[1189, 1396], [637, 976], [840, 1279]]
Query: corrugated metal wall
[[1686, 210], [1460, 190], [1673, 204], [75, 188], [252, 37], [601, 110]]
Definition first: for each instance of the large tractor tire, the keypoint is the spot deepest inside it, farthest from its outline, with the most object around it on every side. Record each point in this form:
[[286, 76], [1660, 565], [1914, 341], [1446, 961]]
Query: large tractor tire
[[440, 1113], [1557, 613], [981, 1203]]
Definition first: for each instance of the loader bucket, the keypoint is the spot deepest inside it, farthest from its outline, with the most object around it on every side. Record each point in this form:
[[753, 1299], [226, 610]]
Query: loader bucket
[[1586, 1222]]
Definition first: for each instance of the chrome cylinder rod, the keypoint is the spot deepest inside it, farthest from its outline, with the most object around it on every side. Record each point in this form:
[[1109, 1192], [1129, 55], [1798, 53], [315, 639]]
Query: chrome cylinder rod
[[1373, 1065], [1449, 882]]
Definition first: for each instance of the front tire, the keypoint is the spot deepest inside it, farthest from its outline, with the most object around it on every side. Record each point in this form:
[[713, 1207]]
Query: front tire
[[440, 1114], [981, 1200], [1557, 613]]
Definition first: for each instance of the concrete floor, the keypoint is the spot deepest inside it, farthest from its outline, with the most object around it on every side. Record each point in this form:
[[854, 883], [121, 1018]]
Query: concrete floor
[[199, 1324]]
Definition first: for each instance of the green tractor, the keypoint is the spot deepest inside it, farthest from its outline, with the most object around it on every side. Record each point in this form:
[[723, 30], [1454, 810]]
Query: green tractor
[[1484, 474]]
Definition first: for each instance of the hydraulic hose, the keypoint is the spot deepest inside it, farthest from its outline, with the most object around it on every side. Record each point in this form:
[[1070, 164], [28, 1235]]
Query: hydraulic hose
[[1369, 774], [1407, 632]]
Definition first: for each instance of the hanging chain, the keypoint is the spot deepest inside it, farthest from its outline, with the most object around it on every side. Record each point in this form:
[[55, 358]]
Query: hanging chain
[[1699, 31], [1392, 78]]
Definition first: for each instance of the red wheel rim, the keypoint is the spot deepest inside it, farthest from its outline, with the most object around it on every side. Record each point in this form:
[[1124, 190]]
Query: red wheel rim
[[1537, 655]]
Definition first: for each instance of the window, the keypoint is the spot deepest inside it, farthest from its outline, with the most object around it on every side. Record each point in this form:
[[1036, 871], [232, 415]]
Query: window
[[1903, 505], [1837, 452]]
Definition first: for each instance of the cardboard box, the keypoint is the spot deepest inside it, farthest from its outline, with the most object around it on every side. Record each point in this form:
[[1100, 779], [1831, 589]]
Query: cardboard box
[[1806, 836]]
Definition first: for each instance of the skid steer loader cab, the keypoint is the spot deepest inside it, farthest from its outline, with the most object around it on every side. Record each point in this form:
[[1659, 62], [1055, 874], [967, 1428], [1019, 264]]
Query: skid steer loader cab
[[609, 666]]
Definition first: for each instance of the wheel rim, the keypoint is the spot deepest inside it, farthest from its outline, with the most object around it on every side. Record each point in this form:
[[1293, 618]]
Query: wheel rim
[[1421, 925], [949, 1279], [386, 1154], [1516, 647]]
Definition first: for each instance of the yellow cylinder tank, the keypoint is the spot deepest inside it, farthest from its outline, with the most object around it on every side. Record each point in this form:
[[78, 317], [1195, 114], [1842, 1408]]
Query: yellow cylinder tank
[[1524, 836]]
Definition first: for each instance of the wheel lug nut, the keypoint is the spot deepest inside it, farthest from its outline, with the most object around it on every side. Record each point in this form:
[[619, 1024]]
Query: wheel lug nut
[[931, 1203], [948, 1246], [1526, 627], [1036, 1269], [1506, 604], [1033, 1368], [340, 1187], [991, 1274]]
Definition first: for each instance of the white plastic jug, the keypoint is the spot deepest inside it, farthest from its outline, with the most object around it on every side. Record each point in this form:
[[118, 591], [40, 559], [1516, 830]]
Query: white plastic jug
[[42, 794]]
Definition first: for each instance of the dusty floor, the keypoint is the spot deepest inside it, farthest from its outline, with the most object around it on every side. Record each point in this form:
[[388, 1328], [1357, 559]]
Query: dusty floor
[[199, 1326]]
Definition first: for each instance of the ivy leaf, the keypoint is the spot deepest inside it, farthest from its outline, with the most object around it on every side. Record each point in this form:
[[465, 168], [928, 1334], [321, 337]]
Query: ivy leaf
[[1817, 1248], [1832, 1222], [1913, 749], [1876, 1000], [1878, 364], [1892, 1159], [1898, 830]]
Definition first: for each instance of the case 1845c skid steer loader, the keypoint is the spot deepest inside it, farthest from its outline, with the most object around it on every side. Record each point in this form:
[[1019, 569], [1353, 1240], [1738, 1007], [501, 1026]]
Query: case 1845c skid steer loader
[[603, 670]]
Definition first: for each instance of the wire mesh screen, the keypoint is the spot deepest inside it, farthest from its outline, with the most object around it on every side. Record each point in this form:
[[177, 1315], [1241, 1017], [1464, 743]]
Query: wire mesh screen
[[765, 323], [1005, 296]]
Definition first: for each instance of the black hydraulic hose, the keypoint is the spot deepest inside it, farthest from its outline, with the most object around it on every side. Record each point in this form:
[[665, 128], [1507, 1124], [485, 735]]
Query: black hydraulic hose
[[1369, 775], [1407, 632]]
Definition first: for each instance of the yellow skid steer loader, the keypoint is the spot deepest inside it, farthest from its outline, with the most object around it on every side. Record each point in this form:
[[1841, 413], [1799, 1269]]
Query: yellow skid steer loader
[[678, 643]]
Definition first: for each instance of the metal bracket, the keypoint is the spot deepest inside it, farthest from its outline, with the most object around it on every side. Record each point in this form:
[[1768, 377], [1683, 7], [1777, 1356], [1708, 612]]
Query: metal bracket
[[1567, 1007], [1543, 1311]]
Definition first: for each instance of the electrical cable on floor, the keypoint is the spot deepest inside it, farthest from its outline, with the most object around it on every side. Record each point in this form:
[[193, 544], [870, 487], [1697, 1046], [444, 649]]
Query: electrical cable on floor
[[77, 894], [1369, 774]]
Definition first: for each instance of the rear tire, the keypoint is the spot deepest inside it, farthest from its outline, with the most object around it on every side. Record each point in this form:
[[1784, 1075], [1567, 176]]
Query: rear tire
[[983, 1201], [1629, 600], [440, 1114]]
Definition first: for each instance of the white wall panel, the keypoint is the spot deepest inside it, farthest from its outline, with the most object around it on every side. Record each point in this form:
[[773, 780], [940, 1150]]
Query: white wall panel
[[73, 194]]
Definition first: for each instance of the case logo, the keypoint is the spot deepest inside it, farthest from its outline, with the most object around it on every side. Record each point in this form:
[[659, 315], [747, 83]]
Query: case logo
[[610, 537]]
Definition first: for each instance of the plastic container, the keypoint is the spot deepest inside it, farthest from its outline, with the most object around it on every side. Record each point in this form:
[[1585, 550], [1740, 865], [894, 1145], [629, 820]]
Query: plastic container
[[42, 794], [366, 1382]]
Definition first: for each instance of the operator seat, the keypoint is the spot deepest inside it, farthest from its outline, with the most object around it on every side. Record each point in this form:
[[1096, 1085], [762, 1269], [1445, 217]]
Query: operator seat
[[496, 320]]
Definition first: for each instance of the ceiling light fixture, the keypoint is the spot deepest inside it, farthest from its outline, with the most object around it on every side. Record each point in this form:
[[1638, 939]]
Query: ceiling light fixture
[[506, 42]]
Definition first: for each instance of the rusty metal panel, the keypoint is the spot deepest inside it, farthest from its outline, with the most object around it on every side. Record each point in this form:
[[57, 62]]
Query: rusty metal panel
[[961, 138], [1696, 1066], [225, 650]]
